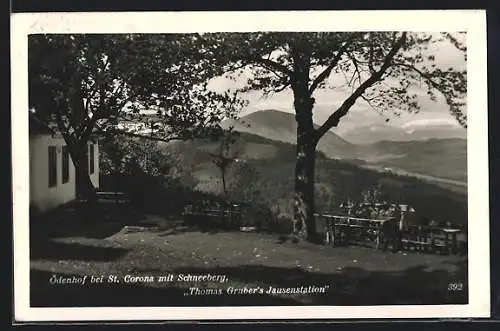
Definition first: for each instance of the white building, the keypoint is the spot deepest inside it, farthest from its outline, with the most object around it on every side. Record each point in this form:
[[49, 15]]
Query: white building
[[52, 173]]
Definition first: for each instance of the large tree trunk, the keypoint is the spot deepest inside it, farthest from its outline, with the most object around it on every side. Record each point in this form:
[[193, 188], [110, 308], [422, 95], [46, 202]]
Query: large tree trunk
[[304, 225], [85, 190]]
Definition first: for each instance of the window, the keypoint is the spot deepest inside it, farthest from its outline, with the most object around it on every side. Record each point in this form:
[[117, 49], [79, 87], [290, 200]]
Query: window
[[52, 166], [65, 164], [91, 159]]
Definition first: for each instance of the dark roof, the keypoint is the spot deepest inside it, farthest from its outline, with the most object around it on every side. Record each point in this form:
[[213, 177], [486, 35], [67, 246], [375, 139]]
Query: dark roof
[[37, 126]]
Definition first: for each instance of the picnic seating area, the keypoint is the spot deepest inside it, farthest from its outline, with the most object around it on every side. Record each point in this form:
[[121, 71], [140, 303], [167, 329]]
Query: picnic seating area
[[435, 239], [388, 229], [113, 197], [208, 212], [109, 197], [345, 230]]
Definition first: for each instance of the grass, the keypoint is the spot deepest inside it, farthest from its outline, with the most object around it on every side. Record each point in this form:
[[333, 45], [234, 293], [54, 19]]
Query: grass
[[128, 242]]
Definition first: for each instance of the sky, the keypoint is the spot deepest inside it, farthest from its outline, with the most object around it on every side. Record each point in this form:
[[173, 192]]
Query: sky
[[361, 114]]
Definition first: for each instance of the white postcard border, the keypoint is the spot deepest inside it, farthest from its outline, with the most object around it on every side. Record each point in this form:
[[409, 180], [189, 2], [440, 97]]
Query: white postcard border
[[471, 21]]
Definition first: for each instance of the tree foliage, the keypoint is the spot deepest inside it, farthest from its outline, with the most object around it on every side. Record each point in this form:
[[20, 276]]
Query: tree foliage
[[386, 70], [145, 83], [382, 68], [127, 155], [123, 156], [150, 86]]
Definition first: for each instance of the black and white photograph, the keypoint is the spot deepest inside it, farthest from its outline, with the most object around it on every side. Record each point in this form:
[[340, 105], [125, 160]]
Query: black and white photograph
[[331, 169]]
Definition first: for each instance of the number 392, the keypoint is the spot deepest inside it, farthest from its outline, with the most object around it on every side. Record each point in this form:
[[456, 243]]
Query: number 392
[[455, 286]]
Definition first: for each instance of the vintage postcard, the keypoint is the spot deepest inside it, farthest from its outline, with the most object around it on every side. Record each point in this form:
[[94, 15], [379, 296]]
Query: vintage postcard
[[250, 165]]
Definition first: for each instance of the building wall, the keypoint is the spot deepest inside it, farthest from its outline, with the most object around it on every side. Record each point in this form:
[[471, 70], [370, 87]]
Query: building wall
[[94, 178], [42, 196]]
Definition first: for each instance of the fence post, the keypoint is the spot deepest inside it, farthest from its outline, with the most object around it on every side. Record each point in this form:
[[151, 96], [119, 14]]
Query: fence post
[[454, 243], [433, 241], [379, 234], [331, 230]]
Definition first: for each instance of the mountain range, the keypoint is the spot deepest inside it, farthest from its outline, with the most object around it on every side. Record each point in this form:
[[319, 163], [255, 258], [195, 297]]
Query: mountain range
[[409, 150], [382, 132], [274, 164], [281, 126]]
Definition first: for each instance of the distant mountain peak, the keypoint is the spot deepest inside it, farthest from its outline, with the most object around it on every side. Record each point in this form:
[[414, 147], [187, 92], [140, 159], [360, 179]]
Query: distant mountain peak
[[281, 126], [274, 111]]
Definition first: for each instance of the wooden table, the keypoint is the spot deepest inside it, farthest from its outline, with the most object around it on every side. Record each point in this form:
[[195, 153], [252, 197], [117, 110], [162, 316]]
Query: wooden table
[[347, 223]]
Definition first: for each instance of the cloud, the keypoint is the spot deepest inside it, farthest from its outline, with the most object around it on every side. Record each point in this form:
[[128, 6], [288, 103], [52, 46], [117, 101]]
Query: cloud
[[430, 122]]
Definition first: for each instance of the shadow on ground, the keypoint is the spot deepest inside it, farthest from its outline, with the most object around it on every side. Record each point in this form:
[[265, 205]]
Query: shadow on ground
[[72, 220], [416, 285], [50, 250]]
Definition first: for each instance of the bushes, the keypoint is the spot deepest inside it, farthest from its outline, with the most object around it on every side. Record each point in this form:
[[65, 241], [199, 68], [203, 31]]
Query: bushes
[[264, 218], [267, 185], [337, 182], [153, 194], [256, 214], [158, 181], [282, 224]]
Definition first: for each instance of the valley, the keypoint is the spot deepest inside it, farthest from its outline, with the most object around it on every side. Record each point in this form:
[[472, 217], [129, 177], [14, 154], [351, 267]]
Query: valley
[[264, 170], [441, 159]]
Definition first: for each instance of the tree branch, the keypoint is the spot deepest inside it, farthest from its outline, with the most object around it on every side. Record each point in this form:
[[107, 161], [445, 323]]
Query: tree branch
[[242, 65], [356, 70], [334, 119], [370, 59], [455, 41], [369, 102], [323, 75], [61, 126], [88, 128], [91, 121], [421, 73], [281, 88], [274, 65], [91, 96]]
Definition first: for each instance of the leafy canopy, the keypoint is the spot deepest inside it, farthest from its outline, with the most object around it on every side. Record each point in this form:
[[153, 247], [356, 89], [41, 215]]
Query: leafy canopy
[[125, 83], [387, 70]]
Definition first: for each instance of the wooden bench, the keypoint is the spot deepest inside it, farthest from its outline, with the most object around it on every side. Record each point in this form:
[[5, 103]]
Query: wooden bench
[[418, 245], [433, 238], [209, 213], [113, 197]]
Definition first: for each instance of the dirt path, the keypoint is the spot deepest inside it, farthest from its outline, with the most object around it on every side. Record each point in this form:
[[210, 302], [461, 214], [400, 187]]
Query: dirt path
[[352, 275]]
